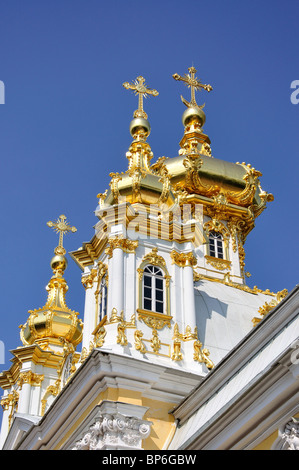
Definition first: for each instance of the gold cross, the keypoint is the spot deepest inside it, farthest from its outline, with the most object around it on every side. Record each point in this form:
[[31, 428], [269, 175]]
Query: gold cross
[[140, 89], [61, 227], [194, 83]]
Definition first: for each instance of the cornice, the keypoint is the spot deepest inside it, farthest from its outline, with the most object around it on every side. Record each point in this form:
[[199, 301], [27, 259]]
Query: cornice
[[256, 339]]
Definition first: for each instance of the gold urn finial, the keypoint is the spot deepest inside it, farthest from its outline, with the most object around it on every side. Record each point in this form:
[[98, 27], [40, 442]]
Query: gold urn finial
[[140, 121], [59, 262]]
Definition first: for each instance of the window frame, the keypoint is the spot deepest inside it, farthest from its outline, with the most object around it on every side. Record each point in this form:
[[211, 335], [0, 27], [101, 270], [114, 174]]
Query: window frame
[[154, 273], [159, 262], [218, 245]]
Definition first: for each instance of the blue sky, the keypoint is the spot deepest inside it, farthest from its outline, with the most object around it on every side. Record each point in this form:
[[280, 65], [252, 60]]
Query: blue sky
[[65, 122]]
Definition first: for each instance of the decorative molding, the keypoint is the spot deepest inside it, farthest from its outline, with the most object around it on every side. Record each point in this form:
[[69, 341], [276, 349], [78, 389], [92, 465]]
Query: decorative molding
[[154, 320], [218, 263], [154, 258], [188, 333], [290, 435], [50, 390], [183, 259], [268, 306], [114, 430], [126, 245], [30, 378], [87, 281]]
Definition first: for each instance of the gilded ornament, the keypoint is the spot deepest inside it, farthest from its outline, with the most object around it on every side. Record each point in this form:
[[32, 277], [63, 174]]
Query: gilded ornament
[[99, 337], [154, 320], [126, 245], [50, 390], [121, 335], [88, 280], [218, 263], [155, 342], [268, 306], [202, 355], [183, 259], [154, 258], [176, 355], [115, 318], [139, 345], [30, 378], [188, 333]]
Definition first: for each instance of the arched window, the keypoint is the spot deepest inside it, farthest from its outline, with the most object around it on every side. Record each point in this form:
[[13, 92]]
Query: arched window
[[153, 289], [216, 245], [102, 298]]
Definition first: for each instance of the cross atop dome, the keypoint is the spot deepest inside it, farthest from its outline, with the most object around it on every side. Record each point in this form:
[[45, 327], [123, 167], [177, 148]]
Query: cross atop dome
[[192, 82], [61, 227], [139, 87]]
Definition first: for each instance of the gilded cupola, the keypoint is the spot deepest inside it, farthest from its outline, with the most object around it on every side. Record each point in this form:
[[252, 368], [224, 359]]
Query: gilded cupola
[[54, 325], [143, 182]]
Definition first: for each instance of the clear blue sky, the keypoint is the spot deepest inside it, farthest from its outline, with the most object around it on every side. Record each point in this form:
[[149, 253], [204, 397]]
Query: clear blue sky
[[65, 122]]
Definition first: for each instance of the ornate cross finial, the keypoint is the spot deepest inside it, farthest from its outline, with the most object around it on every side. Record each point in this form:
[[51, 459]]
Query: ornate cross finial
[[140, 89], [194, 83], [61, 227]]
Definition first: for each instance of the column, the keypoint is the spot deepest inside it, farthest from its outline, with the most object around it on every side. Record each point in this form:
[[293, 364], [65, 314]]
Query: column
[[189, 300], [89, 309], [117, 283]]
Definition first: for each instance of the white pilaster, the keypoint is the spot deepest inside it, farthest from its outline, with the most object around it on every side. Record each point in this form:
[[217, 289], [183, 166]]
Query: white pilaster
[[89, 316], [117, 281]]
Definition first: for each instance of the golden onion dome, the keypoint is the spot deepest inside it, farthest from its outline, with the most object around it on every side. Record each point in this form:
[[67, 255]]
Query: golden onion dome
[[54, 323]]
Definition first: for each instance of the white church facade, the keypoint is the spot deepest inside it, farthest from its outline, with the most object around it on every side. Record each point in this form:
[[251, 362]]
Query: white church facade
[[175, 351]]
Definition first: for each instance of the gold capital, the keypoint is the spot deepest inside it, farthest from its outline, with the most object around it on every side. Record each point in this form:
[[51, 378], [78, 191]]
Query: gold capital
[[192, 82], [139, 87]]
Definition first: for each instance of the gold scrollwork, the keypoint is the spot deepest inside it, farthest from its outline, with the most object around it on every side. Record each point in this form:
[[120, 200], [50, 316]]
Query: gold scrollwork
[[115, 318], [188, 333], [30, 378], [121, 334], [126, 245], [154, 258], [218, 263], [183, 259], [202, 355], [155, 341], [139, 345], [154, 320]]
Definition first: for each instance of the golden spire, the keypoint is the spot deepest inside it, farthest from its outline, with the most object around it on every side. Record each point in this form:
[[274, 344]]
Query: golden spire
[[140, 89], [194, 83], [194, 140]]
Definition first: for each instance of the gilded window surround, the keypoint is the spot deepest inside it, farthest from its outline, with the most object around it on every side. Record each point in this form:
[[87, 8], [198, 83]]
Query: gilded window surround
[[152, 258]]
